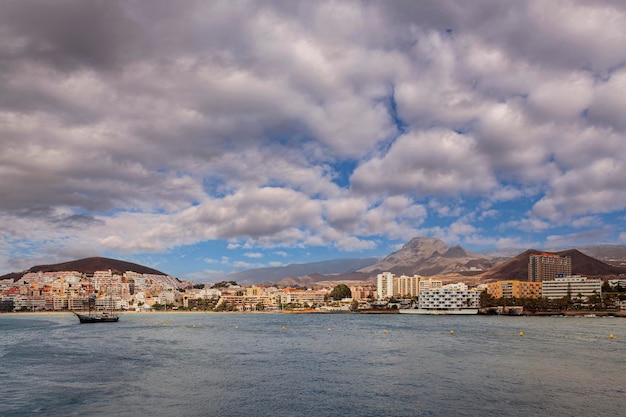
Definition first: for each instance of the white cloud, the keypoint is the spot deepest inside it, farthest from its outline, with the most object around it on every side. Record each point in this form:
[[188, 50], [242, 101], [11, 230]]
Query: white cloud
[[488, 214], [241, 265], [562, 99], [586, 221], [431, 163], [528, 224], [158, 126], [595, 188]]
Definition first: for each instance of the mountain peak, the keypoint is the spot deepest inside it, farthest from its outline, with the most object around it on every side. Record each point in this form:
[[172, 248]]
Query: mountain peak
[[456, 252], [427, 256]]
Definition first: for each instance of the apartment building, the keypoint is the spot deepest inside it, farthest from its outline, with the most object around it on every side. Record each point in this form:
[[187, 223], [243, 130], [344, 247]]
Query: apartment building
[[514, 289], [571, 286], [547, 266], [388, 285], [429, 284], [384, 285], [449, 297]]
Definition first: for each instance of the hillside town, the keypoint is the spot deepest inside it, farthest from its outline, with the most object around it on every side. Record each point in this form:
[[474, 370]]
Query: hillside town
[[551, 286]]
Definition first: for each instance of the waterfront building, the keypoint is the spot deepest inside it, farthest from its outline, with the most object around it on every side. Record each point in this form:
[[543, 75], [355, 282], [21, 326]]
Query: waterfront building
[[301, 297], [547, 266], [246, 302], [362, 292], [572, 286], [56, 302], [449, 297], [77, 303], [406, 286], [514, 289], [384, 285], [388, 285], [429, 284]]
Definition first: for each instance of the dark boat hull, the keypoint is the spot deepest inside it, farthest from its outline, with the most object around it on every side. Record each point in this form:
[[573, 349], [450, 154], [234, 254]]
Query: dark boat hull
[[97, 318]]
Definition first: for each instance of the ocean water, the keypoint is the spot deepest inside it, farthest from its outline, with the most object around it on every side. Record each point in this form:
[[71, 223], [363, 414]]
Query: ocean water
[[312, 365]]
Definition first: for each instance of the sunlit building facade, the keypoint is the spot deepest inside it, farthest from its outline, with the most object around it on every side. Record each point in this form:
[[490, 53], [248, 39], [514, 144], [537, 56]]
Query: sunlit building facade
[[572, 286], [548, 266], [514, 289]]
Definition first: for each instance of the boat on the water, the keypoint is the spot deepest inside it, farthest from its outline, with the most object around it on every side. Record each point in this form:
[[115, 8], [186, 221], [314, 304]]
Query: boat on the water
[[440, 311], [97, 317], [103, 317]]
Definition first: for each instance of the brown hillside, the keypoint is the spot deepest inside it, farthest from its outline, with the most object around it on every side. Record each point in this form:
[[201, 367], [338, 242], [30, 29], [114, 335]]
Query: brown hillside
[[89, 266], [517, 267], [428, 256]]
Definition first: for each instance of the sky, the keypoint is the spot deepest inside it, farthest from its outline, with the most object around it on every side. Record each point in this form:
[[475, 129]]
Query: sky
[[206, 137]]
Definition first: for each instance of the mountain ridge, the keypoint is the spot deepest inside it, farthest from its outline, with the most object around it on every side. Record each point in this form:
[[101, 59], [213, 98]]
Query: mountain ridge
[[88, 266], [330, 267], [421, 255], [516, 268], [429, 256]]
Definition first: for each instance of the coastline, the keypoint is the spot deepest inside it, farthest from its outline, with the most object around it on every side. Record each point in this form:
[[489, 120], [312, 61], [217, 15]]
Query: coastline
[[621, 313]]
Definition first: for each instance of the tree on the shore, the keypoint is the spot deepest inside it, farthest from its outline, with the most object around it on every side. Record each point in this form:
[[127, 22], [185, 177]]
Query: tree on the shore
[[340, 292], [487, 300]]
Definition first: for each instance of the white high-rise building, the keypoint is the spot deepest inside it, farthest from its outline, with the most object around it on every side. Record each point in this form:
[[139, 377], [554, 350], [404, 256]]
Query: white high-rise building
[[429, 284], [405, 286], [384, 285], [388, 285]]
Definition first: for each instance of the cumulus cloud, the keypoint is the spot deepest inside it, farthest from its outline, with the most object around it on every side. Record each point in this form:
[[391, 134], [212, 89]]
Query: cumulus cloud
[[435, 162], [131, 127]]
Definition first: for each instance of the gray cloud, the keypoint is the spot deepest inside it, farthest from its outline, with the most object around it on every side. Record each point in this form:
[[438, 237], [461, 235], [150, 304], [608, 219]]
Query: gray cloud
[[69, 35], [156, 124]]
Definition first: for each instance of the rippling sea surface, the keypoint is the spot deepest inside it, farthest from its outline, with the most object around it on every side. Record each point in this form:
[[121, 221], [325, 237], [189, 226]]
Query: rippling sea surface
[[312, 365]]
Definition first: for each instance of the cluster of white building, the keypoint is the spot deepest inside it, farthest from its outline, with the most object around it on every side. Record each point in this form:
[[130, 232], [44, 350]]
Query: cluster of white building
[[70, 290], [431, 293]]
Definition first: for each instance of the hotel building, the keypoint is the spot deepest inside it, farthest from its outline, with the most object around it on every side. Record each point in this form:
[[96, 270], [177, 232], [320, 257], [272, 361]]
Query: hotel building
[[449, 297], [547, 266], [388, 285], [514, 289], [571, 286], [384, 285]]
